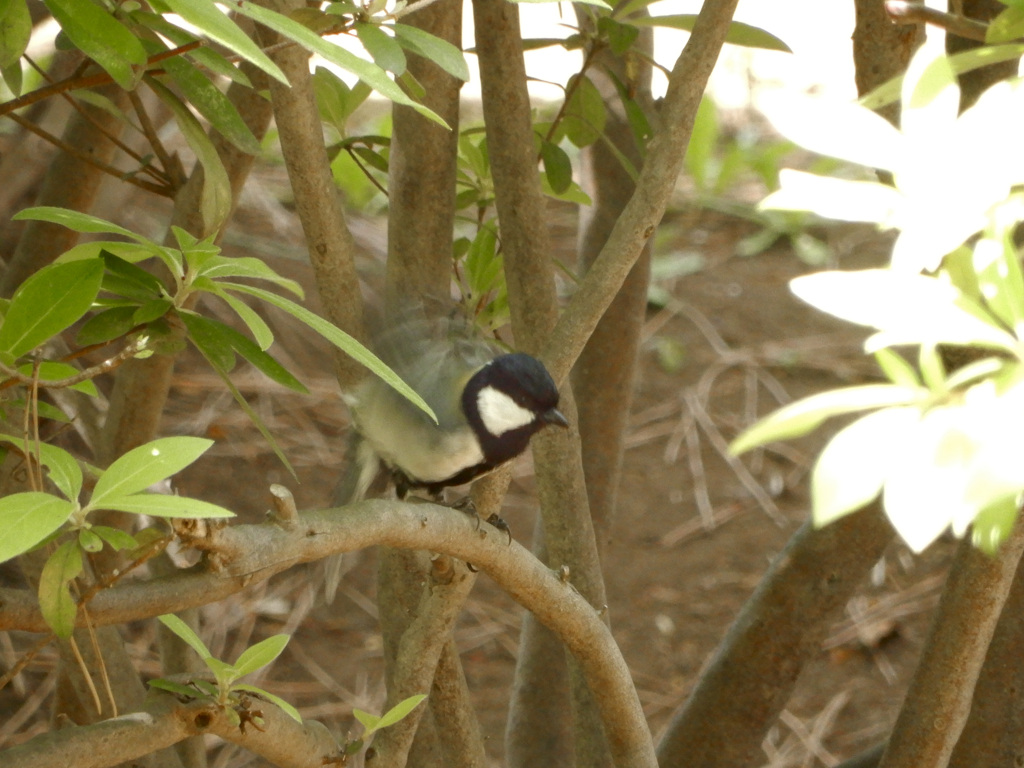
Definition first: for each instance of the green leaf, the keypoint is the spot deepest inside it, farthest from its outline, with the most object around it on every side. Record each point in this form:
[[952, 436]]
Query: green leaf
[[12, 76], [126, 279], [484, 267], [216, 196], [186, 633], [261, 654], [218, 267], [370, 73], [78, 222], [999, 277], [256, 324], [58, 607], [218, 340], [115, 538], [332, 98], [104, 326], [89, 541], [384, 50], [368, 721], [163, 505], [291, 711], [400, 710], [739, 33], [994, 524], [48, 302], [852, 468], [557, 166], [205, 56], [704, 139], [803, 416], [152, 310], [63, 468], [28, 518], [219, 111], [620, 36], [219, 27], [15, 31], [896, 368], [585, 113], [1007, 26], [441, 52], [141, 467], [339, 338], [102, 38]]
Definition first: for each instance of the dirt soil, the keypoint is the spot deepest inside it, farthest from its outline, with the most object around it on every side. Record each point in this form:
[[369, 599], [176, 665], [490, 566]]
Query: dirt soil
[[690, 540]]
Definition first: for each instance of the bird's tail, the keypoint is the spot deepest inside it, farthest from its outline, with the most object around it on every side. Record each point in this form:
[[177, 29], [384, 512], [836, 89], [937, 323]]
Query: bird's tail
[[362, 465]]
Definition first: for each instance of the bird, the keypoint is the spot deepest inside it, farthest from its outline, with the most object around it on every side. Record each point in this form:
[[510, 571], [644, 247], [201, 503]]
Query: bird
[[488, 404]]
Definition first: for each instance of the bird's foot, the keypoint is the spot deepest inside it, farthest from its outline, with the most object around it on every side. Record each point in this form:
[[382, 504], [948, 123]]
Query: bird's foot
[[498, 522]]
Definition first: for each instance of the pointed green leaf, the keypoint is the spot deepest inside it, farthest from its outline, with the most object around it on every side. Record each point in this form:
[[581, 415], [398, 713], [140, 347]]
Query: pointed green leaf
[[291, 711], [220, 27], [63, 469], [585, 113], [58, 607], [205, 56], [115, 538], [557, 166], [89, 541], [261, 654], [186, 633], [896, 368], [216, 196], [126, 279], [48, 302], [15, 31], [994, 524], [400, 710], [148, 464], [368, 721], [107, 325], [217, 336], [77, 222], [187, 691], [219, 266], [739, 33], [218, 110], [257, 325], [28, 518], [340, 339], [803, 416], [101, 37], [441, 52], [163, 505], [384, 50]]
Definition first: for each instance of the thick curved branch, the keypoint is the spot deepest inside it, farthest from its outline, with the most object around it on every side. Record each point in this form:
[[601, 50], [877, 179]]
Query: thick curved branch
[[245, 554], [653, 190], [163, 722]]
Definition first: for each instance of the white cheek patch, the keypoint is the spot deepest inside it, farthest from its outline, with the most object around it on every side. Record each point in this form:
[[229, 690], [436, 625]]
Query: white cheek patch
[[500, 413]]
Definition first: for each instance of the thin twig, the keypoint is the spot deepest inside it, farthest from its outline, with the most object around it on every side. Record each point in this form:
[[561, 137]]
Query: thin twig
[[903, 12], [130, 351]]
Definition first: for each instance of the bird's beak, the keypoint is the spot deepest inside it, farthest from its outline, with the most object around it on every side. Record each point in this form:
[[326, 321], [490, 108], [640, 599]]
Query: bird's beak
[[554, 416]]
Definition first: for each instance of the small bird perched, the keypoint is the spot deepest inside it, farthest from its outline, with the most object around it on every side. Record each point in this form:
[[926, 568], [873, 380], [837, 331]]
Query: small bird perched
[[488, 406]]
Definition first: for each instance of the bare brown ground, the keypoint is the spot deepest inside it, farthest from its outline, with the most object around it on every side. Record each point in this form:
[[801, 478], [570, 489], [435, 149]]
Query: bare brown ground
[[693, 533]]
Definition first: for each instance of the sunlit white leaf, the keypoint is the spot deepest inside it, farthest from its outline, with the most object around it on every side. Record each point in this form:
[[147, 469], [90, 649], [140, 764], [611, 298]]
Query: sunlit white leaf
[[830, 198], [852, 468], [839, 129]]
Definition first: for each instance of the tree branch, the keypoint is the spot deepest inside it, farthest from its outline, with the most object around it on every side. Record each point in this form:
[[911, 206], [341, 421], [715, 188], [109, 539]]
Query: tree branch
[[654, 189], [242, 555], [163, 721]]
